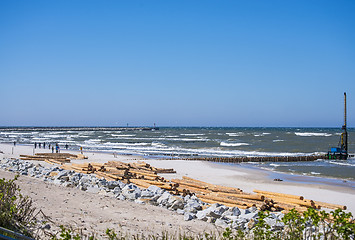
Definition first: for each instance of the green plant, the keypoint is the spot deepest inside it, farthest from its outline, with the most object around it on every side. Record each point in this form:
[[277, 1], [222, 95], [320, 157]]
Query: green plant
[[16, 211]]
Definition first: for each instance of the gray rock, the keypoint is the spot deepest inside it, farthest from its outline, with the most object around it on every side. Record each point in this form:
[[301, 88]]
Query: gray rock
[[251, 210], [239, 224], [147, 194], [188, 216], [180, 211], [67, 184], [93, 189], [192, 205], [61, 175], [112, 184], [131, 192], [117, 190], [139, 201], [164, 198], [156, 190], [216, 210], [220, 222], [177, 204], [274, 223], [249, 216], [202, 215], [121, 197], [57, 181]]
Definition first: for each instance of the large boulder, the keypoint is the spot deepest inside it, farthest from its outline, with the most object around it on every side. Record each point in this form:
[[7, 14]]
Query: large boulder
[[131, 192]]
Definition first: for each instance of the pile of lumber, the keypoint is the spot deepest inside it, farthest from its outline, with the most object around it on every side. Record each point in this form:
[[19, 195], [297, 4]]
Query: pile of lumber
[[289, 201], [235, 197], [139, 173], [53, 158], [144, 175]]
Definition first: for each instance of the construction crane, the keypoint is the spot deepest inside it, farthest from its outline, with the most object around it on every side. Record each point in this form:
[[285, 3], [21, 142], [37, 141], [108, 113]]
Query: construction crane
[[341, 152]]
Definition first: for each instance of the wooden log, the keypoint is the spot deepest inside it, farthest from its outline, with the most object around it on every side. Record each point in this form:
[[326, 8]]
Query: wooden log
[[223, 200], [117, 164], [254, 197], [98, 175], [266, 193], [110, 176], [56, 154], [140, 183], [213, 187], [330, 205], [138, 172], [164, 170], [51, 161], [189, 183], [193, 189], [293, 201]]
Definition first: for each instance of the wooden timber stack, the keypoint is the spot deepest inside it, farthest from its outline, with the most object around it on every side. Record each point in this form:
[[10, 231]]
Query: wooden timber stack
[[144, 175], [53, 158]]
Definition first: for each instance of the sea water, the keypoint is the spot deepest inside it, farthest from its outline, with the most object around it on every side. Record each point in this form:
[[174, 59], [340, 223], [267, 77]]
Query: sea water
[[182, 142]]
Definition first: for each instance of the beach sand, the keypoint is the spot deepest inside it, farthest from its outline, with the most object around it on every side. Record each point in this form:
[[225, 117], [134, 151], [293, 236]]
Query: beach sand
[[95, 211]]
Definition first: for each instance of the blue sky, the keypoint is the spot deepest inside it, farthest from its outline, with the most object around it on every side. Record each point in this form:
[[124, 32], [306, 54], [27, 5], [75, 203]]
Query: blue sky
[[177, 63]]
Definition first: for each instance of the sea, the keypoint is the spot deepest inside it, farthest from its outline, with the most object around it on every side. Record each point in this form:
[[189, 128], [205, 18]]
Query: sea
[[189, 142]]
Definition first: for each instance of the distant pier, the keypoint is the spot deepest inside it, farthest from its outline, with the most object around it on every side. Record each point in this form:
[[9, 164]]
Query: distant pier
[[79, 128]]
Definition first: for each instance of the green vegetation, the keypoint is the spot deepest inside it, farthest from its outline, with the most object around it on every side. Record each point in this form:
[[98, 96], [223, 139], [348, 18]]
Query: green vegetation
[[17, 214], [311, 224], [16, 211]]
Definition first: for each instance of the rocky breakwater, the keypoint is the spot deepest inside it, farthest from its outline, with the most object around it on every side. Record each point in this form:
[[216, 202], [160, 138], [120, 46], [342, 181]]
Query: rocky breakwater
[[190, 206]]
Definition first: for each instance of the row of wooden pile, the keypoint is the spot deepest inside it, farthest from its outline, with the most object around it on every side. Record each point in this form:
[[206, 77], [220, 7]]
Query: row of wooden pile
[[144, 175], [53, 158]]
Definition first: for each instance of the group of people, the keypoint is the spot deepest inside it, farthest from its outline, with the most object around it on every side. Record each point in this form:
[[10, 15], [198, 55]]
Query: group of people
[[50, 146]]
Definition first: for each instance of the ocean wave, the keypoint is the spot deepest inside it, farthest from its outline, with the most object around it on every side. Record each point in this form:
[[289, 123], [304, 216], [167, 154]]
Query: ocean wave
[[226, 144], [278, 140], [123, 135], [192, 134], [315, 173], [342, 163], [239, 134], [312, 134]]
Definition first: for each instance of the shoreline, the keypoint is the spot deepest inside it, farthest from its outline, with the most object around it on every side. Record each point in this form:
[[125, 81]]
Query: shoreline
[[246, 178]]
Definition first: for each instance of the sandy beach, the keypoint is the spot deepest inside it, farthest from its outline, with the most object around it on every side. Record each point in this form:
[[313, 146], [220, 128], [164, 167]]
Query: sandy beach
[[97, 211]]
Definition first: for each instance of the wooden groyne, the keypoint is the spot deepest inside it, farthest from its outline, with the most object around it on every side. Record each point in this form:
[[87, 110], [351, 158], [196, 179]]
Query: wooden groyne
[[258, 159]]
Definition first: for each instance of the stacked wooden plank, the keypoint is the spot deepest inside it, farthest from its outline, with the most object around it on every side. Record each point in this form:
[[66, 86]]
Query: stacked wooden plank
[[144, 175], [289, 201], [53, 158], [139, 173]]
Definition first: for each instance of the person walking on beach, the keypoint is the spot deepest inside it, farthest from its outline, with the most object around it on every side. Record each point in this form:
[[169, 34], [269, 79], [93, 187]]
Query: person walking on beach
[[57, 148], [39, 145], [14, 143], [66, 146], [52, 149], [81, 150], [44, 145], [35, 145]]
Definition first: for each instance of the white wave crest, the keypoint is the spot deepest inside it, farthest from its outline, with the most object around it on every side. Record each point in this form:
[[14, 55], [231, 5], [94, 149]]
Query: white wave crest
[[226, 144], [312, 134], [235, 134], [342, 163], [278, 140], [192, 134]]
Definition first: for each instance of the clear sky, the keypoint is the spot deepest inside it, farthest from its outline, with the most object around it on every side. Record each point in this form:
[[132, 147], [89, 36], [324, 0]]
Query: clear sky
[[177, 63]]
